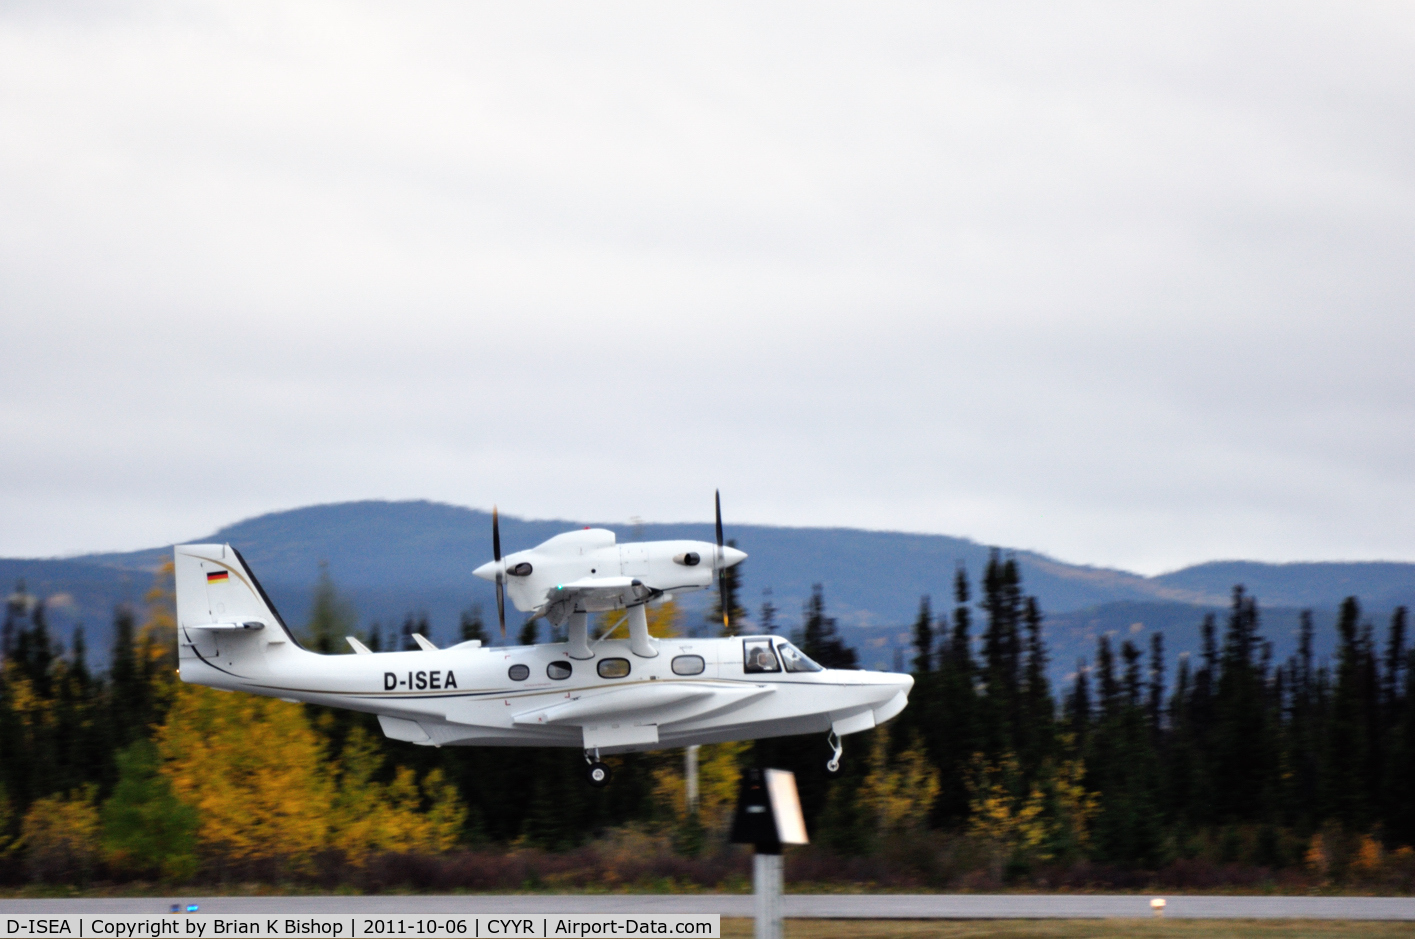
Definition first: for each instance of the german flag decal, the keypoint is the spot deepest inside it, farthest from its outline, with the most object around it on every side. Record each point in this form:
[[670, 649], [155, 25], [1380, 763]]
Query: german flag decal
[[217, 577]]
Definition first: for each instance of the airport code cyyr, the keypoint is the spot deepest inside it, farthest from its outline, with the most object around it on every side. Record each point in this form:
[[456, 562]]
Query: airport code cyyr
[[384, 926]]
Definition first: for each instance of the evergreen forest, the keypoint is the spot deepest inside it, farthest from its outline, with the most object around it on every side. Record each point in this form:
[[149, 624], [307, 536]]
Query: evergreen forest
[[1228, 768]]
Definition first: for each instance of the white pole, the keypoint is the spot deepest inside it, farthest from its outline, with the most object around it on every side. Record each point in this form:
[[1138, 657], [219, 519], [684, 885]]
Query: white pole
[[690, 773], [766, 877]]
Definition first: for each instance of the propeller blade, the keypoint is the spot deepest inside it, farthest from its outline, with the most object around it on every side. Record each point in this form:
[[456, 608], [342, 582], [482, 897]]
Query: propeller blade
[[500, 574], [722, 598], [501, 605], [717, 500], [717, 562]]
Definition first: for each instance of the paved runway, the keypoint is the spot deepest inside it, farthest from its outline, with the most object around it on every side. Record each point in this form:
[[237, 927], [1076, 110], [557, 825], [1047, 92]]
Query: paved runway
[[797, 906]]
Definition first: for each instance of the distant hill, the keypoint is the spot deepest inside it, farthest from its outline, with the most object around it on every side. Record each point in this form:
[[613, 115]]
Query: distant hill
[[391, 558], [1380, 584]]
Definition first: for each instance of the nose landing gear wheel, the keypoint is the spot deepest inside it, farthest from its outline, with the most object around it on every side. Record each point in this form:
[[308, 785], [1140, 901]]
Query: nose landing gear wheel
[[832, 766], [598, 774]]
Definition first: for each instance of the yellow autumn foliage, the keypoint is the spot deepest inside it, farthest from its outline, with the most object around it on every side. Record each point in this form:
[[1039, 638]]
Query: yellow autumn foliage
[[251, 767], [1369, 857], [999, 817], [718, 778], [157, 636], [60, 835], [160, 626], [663, 621], [254, 770], [32, 713], [368, 818], [6, 813], [1053, 818], [898, 797]]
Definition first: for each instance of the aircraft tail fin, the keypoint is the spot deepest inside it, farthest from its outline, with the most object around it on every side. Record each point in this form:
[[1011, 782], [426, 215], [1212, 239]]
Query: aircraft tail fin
[[221, 605]]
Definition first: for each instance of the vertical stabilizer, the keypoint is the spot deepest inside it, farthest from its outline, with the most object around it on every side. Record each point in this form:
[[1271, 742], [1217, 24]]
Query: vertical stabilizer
[[221, 605]]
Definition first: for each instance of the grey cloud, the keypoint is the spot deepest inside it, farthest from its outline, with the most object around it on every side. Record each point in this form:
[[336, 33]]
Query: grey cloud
[[1123, 284]]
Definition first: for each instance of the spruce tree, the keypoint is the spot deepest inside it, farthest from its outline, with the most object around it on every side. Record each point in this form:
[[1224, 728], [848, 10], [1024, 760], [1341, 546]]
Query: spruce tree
[[34, 651], [923, 699], [923, 639], [1122, 765], [1037, 731], [1241, 769], [1394, 683], [1105, 678], [414, 624], [1181, 764], [1347, 746], [1155, 705], [767, 621], [819, 638], [1303, 732], [1001, 700], [470, 626], [16, 609], [331, 617], [1078, 707], [1400, 768], [951, 736], [127, 691]]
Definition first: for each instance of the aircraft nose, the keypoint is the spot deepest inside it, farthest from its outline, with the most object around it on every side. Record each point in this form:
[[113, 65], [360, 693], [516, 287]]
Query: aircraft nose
[[731, 555], [487, 571]]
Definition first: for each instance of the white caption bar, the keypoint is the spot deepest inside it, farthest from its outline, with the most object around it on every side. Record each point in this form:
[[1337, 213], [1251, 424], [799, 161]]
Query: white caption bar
[[383, 926]]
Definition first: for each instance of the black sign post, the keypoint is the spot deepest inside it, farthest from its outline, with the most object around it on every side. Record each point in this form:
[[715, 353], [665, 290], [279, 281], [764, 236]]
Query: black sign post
[[768, 817]]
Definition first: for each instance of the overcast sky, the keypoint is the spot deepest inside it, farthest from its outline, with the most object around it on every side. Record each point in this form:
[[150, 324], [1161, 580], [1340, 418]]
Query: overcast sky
[[1126, 283]]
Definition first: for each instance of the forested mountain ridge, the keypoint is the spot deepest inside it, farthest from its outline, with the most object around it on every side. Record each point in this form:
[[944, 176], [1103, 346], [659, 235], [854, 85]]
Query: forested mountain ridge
[[393, 558], [1137, 734], [1225, 766]]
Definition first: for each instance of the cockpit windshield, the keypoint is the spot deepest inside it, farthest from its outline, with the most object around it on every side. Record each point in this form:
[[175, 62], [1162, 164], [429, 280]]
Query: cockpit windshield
[[758, 657], [795, 660]]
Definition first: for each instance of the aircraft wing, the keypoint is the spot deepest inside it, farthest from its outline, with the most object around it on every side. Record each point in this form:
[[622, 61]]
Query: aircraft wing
[[592, 594]]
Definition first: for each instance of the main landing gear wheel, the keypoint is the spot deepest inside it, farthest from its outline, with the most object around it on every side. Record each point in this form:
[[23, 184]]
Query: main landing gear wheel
[[832, 766], [598, 774]]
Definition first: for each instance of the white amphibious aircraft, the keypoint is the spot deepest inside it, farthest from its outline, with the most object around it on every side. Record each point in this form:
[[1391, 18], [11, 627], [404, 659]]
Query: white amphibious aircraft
[[603, 695]]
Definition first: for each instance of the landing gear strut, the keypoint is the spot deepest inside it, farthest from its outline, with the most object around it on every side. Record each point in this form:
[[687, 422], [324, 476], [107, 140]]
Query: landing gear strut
[[596, 772], [832, 766]]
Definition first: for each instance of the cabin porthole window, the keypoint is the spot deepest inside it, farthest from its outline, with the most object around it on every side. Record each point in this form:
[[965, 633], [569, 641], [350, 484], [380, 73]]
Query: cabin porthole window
[[559, 671], [518, 672], [688, 665], [613, 668]]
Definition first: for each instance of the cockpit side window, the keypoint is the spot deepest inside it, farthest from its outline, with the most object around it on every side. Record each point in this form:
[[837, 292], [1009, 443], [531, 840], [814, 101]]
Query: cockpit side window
[[795, 660], [758, 657]]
